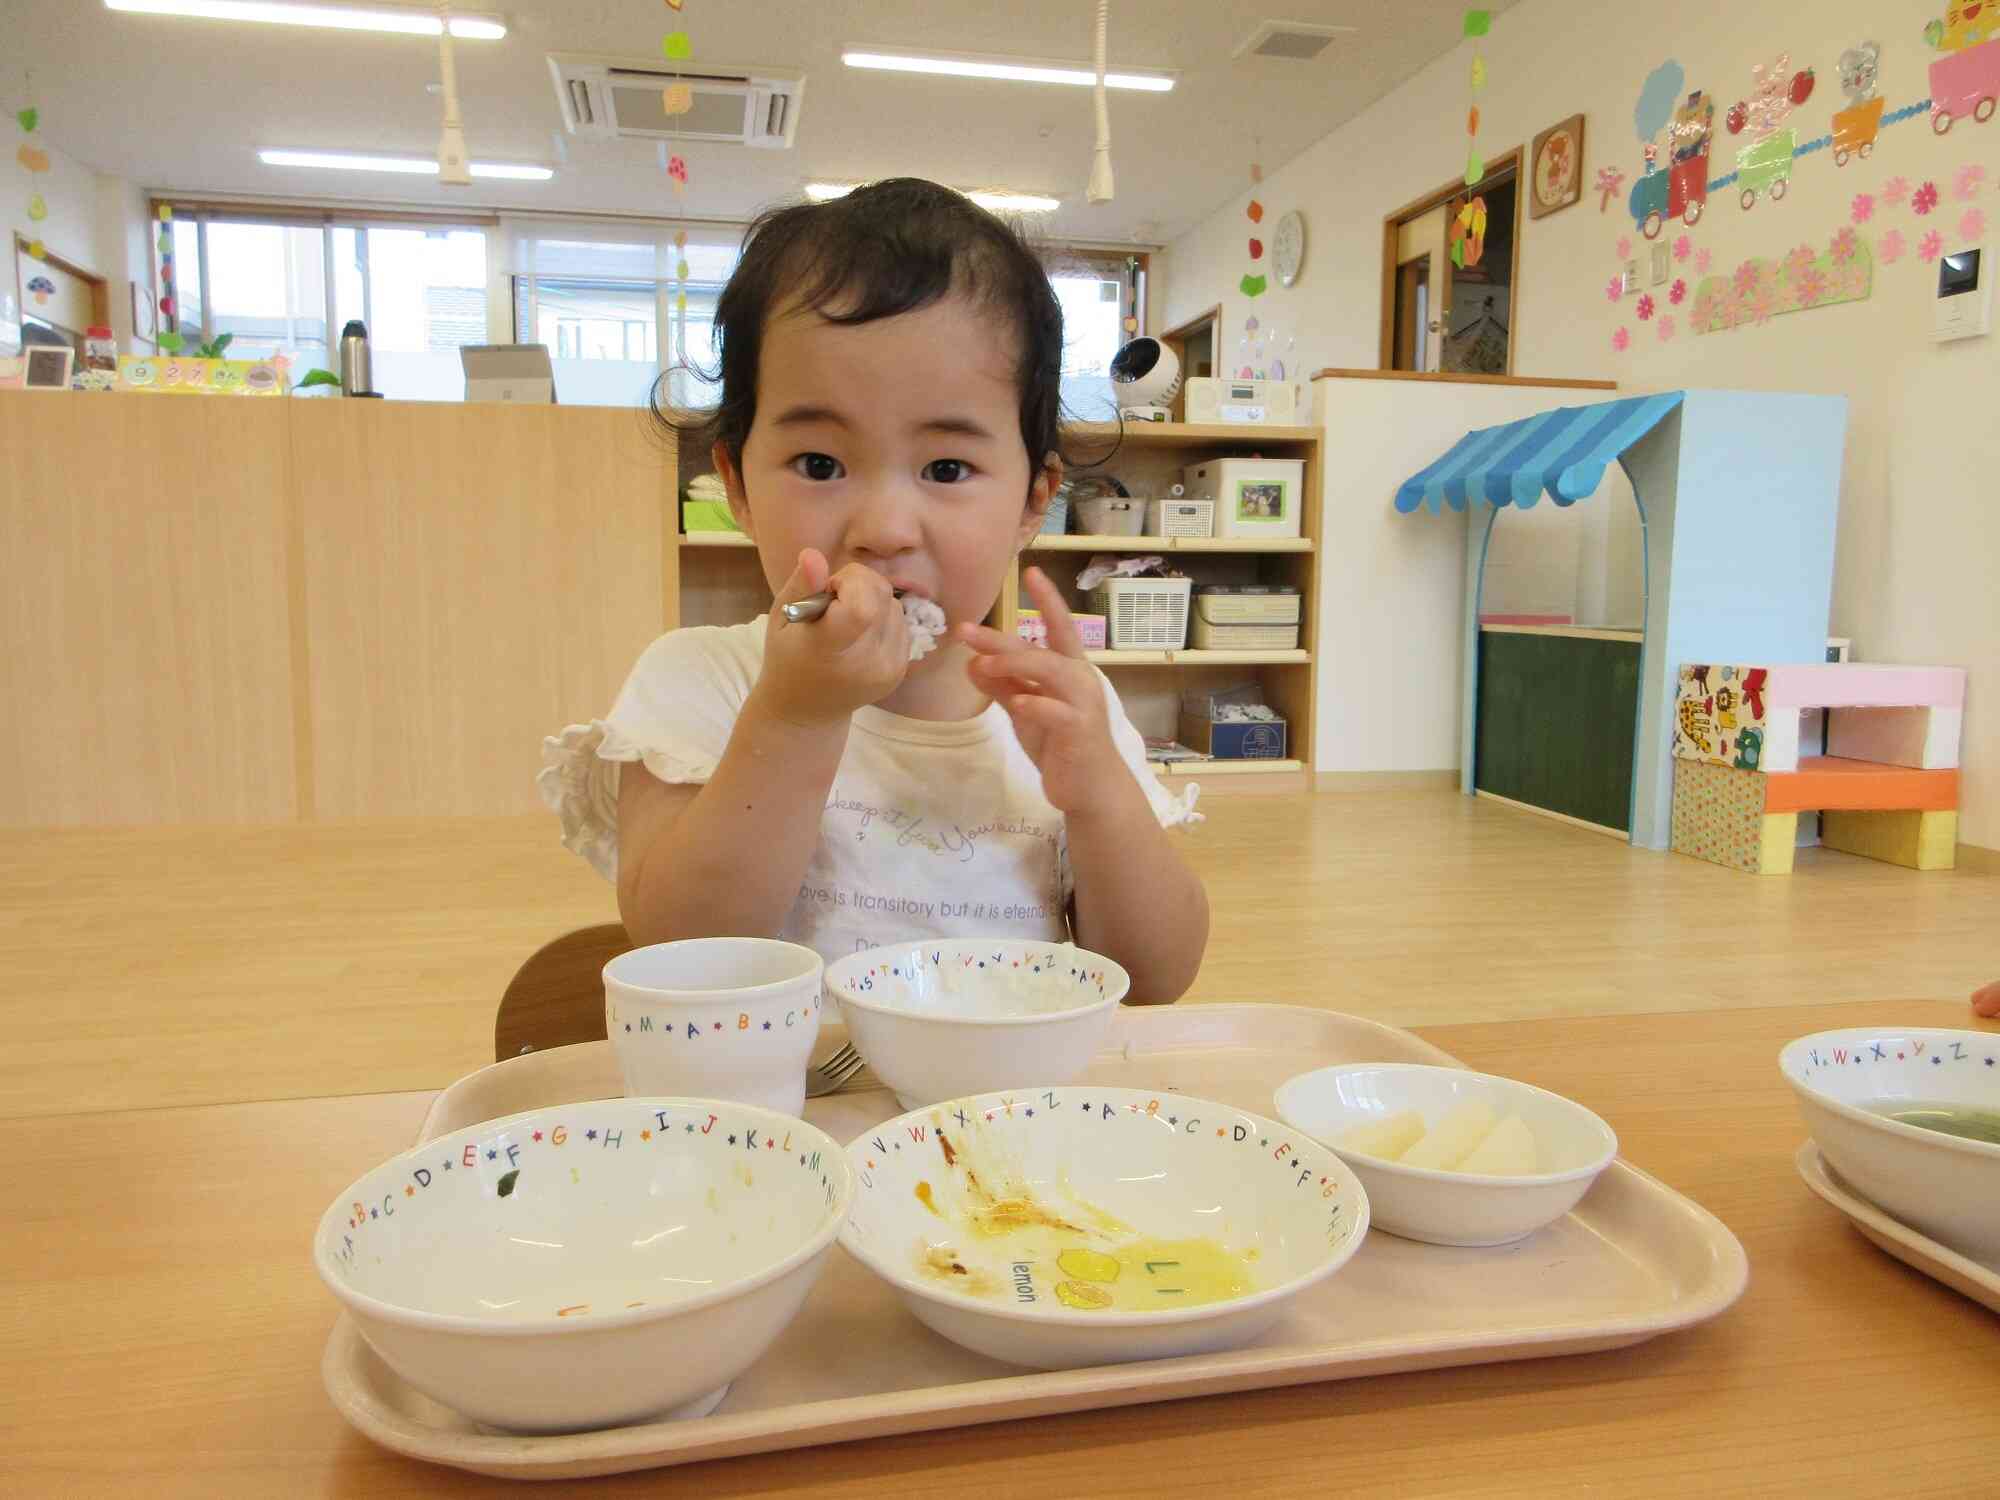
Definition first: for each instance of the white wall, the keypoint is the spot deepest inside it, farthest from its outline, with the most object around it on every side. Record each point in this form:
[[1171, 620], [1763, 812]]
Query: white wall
[[1920, 526], [96, 223]]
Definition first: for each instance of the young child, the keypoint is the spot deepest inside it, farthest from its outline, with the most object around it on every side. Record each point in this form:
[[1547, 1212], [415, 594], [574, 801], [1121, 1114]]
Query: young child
[[888, 425]]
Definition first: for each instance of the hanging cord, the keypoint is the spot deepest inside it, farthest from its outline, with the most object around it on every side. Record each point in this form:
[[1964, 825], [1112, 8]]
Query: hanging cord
[[453, 169], [1100, 189]]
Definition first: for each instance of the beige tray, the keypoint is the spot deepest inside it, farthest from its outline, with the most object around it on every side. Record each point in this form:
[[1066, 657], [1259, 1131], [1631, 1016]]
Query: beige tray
[[1635, 1259], [1976, 1279]]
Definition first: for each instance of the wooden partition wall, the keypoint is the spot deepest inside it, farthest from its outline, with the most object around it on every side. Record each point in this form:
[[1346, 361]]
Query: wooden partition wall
[[237, 610]]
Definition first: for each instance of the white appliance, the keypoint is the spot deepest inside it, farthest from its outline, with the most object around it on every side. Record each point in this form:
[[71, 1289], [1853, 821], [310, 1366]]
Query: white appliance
[[520, 373], [1964, 295], [1145, 374], [609, 97], [1255, 403]]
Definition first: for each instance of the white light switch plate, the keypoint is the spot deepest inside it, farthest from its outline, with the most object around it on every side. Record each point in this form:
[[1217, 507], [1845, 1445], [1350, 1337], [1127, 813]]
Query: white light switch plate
[[1659, 264]]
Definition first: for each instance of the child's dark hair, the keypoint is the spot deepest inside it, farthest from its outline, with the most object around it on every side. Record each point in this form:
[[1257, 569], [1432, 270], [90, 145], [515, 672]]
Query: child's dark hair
[[892, 247]]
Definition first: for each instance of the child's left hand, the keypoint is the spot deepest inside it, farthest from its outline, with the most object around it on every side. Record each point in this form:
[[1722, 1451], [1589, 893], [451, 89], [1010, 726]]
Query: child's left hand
[[1055, 700]]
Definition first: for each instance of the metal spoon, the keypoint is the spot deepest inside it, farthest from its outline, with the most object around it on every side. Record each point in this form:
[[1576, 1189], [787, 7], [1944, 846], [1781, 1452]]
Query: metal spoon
[[812, 607]]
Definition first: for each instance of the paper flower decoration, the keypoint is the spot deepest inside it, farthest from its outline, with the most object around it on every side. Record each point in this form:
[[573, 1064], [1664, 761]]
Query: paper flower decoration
[[1842, 246], [1645, 308], [1930, 247], [1614, 288], [1863, 208], [1889, 249], [1677, 293], [1666, 329], [1965, 186], [1895, 190], [1971, 224], [1468, 234], [1683, 248], [1799, 261], [1621, 339], [1609, 181], [1624, 247], [1746, 278], [1925, 199], [1703, 259]]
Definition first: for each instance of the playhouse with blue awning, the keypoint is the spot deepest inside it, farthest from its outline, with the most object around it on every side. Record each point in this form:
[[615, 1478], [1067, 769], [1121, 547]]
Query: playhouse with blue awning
[[1738, 497]]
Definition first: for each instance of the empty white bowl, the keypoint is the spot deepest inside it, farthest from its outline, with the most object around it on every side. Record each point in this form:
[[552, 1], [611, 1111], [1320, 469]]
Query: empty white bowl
[[974, 1211], [588, 1265], [944, 1019], [1944, 1185], [1572, 1146]]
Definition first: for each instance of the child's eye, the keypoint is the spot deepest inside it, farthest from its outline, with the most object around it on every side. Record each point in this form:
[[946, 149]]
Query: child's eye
[[818, 467], [947, 471]]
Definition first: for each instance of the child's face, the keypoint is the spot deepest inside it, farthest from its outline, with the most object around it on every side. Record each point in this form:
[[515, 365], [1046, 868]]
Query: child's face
[[896, 445]]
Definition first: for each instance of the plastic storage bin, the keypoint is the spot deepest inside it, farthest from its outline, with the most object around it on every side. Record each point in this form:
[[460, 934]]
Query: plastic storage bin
[[1143, 614], [1194, 518], [1110, 516], [1254, 497]]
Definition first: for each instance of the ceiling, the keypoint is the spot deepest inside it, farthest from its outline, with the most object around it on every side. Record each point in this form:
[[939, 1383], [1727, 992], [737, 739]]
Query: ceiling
[[184, 105]]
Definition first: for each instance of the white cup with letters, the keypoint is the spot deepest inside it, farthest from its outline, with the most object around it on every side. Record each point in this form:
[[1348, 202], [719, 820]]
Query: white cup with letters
[[716, 1018]]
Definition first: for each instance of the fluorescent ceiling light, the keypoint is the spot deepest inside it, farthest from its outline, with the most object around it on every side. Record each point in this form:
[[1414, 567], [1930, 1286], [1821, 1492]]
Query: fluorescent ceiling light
[[1000, 67], [404, 20], [416, 166], [999, 203]]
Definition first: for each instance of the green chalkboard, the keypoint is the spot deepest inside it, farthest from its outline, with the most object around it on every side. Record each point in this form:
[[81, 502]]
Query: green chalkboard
[[1555, 723]]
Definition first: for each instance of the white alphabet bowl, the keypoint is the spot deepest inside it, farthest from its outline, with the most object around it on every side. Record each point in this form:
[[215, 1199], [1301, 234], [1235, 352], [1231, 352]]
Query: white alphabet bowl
[[1453, 1208], [1079, 1225], [947, 1018], [588, 1265], [1945, 1185]]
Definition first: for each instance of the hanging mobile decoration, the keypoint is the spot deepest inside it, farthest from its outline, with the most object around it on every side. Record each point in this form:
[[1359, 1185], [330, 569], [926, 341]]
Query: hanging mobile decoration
[[1477, 24], [1468, 233], [169, 339], [675, 101], [36, 162], [1254, 283]]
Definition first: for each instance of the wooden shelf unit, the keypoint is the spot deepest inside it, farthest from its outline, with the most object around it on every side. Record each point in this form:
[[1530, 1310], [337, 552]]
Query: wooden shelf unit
[[1148, 459], [715, 578]]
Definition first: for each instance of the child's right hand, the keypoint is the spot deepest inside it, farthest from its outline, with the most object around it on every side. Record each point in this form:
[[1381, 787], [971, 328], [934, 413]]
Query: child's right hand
[[817, 673]]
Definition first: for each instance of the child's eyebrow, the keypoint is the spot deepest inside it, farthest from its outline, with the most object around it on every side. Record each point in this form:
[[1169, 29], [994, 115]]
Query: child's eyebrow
[[950, 426]]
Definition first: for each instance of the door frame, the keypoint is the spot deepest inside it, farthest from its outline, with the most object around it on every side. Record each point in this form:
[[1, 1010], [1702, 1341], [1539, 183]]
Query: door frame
[[1386, 345]]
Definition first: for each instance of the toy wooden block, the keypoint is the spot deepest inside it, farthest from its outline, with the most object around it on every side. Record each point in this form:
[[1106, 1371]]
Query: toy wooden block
[[1720, 816], [1918, 840], [1747, 717]]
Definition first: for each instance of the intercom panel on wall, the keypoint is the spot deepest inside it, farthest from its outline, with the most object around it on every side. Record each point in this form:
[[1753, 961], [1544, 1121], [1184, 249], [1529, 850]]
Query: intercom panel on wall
[[1964, 306]]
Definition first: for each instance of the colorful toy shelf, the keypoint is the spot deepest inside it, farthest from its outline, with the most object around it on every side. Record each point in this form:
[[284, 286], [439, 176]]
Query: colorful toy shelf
[[1889, 789]]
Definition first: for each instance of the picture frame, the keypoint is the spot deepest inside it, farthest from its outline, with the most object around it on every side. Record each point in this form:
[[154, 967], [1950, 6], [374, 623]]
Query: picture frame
[[1555, 168], [47, 368]]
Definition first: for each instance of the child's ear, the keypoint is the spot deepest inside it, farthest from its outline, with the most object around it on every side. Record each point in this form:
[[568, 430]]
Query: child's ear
[[732, 481], [1040, 494]]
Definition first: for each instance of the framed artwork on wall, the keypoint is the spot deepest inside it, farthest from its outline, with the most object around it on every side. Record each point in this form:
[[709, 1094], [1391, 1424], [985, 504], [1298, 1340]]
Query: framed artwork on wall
[[1555, 168]]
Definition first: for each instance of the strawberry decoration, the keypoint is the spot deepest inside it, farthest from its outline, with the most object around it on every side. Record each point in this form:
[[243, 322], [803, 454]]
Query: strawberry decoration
[[1256, 249], [1737, 118], [1802, 86]]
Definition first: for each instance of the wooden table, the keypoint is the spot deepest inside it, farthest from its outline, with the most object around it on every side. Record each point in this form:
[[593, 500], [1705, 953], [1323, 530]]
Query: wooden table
[[163, 1326]]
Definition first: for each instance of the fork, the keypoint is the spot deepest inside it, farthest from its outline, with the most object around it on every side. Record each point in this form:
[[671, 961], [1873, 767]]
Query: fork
[[834, 1074]]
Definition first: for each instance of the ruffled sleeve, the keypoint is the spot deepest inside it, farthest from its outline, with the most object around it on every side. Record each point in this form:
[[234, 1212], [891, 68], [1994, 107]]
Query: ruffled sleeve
[[673, 716]]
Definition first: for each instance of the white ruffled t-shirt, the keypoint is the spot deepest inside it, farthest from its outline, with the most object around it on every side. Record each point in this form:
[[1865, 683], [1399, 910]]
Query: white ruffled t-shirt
[[930, 829]]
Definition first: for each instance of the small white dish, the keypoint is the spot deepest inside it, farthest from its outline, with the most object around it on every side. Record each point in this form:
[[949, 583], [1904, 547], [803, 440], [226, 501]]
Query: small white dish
[[975, 1211], [949, 1018], [1944, 1185], [718, 1018], [1572, 1146], [587, 1265]]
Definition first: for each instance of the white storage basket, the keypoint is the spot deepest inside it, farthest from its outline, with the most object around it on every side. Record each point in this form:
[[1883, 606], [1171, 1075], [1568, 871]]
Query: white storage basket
[[1143, 614]]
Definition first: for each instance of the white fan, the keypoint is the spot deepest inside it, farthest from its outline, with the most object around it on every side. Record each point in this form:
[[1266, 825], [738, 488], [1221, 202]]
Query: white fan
[[1145, 377]]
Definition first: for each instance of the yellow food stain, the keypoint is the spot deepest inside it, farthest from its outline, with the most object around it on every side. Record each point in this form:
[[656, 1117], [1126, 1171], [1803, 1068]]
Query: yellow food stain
[[1088, 1265], [943, 1263], [924, 1197]]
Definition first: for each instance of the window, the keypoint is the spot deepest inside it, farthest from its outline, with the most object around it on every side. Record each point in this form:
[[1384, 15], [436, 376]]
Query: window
[[1099, 292], [604, 299], [287, 282]]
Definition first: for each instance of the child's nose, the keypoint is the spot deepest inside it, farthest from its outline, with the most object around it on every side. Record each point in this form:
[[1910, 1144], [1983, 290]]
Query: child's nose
[[886, 523]]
